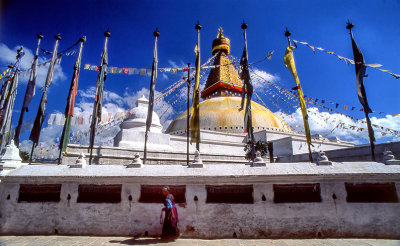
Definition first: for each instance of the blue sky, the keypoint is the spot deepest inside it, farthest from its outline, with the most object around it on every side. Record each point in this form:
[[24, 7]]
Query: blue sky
[[321, 23]]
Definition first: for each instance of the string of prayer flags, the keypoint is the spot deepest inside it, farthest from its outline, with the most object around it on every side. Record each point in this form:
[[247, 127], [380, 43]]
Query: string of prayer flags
[[3, 74], [348, 60]]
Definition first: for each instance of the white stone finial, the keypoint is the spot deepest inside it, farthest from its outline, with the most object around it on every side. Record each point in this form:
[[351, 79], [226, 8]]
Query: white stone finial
[[80, 162], [136, 163], [142, 102], [389, 159], [258, 161], [10, 159], [197, 162], [323, 159]]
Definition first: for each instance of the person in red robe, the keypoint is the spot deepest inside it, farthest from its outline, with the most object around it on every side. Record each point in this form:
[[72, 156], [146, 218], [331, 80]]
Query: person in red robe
[[170, 229]]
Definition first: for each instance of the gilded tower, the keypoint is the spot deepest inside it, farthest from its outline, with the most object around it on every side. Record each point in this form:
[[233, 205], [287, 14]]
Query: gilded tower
[[223, 80], [219, 110]]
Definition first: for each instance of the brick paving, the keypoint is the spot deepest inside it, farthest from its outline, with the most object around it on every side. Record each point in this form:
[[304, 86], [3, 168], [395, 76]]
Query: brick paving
[[120, 241]]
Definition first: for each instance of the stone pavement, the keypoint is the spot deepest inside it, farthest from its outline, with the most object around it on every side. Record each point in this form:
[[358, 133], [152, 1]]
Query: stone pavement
[[116, 241]]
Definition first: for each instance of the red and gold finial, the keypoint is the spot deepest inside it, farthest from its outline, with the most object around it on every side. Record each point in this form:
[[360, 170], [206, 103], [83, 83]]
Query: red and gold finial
[[221, 43]]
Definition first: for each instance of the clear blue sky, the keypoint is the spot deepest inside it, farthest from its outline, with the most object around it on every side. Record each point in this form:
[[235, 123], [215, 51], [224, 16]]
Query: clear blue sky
[[321, 23]]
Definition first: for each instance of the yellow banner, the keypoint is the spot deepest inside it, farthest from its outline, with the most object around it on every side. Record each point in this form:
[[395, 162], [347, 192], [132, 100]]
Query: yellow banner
[[289, 63], [195, 114]]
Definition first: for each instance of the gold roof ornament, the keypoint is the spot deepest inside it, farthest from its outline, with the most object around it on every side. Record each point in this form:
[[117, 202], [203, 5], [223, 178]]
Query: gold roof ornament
[[222, 98], [222, 80], [221, 43]]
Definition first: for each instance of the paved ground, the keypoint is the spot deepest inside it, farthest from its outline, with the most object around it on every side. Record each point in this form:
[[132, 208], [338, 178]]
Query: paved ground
[[115, 241]]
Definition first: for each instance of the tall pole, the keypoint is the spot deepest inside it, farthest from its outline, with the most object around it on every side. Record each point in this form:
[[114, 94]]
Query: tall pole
[[248, 90], [30, 91], [198, 28], [97, 107], [188, 115], [40, 116], [361, 68], [153, 82], [69, 109], [7, 110], [290, 64]]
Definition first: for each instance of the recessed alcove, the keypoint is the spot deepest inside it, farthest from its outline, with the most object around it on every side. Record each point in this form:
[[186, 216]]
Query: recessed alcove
[[39, 193], [297, 193], [371, 192], [153, 193], [99, 193], [229, 194]]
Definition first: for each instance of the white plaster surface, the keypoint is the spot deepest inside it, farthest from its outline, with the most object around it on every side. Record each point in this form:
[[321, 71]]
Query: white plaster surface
[[329, 218]]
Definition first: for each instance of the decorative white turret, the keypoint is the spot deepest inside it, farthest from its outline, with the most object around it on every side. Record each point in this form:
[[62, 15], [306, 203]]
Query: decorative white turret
[[133, 130], [138, 117]]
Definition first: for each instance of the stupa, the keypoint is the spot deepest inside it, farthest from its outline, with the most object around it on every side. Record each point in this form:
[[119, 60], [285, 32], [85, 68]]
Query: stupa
[[220, 110]]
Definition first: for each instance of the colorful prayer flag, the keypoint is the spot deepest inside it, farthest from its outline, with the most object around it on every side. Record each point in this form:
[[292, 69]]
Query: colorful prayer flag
[[290, 64], [153, 82], [69, 109]]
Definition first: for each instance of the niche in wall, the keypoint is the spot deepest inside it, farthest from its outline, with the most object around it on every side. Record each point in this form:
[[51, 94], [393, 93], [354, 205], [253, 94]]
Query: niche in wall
[[99, 193], [39, 192], [297, 193], [230, 194], [153, 193], [371, 192]]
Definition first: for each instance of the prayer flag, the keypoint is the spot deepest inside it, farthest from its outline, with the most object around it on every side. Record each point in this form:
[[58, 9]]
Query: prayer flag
[[362, 96], [8, 105], [153, 82], [195, 114], [98, 100], [290, 64], [69, 109], [247, 93], [29, 93], [40, 116]]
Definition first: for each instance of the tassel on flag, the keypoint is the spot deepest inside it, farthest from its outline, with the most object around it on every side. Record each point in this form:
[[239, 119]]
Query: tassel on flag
[[151, 97], [69, 109], [98, 100]]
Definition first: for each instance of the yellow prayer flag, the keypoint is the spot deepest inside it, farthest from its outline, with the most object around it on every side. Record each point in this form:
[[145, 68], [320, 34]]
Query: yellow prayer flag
[[195, 112], [290, 64]]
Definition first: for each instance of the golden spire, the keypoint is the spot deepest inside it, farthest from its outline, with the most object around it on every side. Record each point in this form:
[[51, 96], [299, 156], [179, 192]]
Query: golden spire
[[221, 43], [223, 80]]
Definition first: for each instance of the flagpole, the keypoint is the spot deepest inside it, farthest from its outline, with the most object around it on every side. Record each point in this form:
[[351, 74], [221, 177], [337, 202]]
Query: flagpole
[[290, 64], [98, 100], [249, 87], [153, 82], [29, 93], [360, 68], [40, 116], [9, 100], [188, 116], [69, 109], [195, 112]]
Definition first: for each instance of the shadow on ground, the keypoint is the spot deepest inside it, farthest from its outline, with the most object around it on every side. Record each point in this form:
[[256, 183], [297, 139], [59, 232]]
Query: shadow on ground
[[140, 241]]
